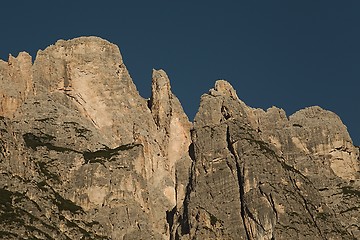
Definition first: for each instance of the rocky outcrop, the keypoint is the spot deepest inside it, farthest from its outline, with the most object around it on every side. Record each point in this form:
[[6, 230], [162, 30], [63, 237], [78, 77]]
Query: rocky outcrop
[[84, 156], [15, 83], [89, 142], [260, 175]]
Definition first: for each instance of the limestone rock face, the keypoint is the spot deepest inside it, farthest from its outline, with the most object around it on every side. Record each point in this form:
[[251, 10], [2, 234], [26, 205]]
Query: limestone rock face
[[260, 175], [316, 143], [90, 72], [85, 151], [174, 129], [84, 156], [15, 83]]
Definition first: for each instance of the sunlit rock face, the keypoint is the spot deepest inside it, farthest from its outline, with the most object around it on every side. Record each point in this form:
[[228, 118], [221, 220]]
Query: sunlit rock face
[[15, 83], [84, 156]]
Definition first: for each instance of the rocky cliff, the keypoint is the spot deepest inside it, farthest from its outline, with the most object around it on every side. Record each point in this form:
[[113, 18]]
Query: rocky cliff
[[84, 156]]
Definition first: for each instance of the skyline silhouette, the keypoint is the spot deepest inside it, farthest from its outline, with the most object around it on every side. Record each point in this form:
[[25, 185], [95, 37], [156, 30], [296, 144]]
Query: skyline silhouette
[[286, 54]]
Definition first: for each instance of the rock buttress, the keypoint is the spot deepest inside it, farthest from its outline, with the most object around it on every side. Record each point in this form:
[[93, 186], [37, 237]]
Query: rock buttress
[[82, 157], [249, 180], [15, 83]]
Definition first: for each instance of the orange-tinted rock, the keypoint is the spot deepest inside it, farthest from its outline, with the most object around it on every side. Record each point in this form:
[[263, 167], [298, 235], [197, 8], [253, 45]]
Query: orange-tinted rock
[[84, 156]]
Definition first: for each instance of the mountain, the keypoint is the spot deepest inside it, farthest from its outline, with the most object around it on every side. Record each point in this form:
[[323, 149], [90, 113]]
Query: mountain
[[84, 156]]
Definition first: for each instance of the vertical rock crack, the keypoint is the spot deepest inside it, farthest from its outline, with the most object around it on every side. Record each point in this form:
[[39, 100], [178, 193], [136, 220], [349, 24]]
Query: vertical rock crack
[[240, 176]]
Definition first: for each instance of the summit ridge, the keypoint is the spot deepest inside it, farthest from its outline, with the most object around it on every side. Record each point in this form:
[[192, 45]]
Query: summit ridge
[[84, 156]]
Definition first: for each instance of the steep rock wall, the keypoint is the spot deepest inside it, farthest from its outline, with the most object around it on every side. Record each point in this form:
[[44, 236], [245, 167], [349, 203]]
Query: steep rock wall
[[84, 156], [260, 175]]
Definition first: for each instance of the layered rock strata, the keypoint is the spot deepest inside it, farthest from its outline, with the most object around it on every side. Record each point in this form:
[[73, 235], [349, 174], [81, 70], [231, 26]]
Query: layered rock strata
[[84, 156]]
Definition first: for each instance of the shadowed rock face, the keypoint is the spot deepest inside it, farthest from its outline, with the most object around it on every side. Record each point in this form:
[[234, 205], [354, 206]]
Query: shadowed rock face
[[84, 156]]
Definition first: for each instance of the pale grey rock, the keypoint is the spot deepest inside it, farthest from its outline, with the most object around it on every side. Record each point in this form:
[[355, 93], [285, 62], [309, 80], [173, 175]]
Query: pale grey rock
[[316, 143], [84, 156], [15, 83], [88, 141], [246, 182]]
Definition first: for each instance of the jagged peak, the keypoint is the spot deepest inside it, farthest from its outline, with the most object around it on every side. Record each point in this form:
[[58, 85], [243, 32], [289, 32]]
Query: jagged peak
[[223, 88], [160, 77], [82, 48], [85, 40], [313, 111], [239, 172], [163, 104], [22, 56]]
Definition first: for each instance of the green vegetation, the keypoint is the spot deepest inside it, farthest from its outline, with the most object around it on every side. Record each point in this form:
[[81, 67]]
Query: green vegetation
[[263, 146], [8, 211], [67, 205], [6, 234], [106, 153], [350, 191], [323, 215], [44, 119], [62, 203], [350, 209], [33, 141], [46, 172], [213, 220]]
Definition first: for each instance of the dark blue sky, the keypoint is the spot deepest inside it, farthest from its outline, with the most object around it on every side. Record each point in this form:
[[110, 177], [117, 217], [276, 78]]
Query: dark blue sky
[[291, 54]]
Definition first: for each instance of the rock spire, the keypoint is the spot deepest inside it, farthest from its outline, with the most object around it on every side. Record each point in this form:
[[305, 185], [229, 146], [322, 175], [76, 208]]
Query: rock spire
[[84, 156]]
